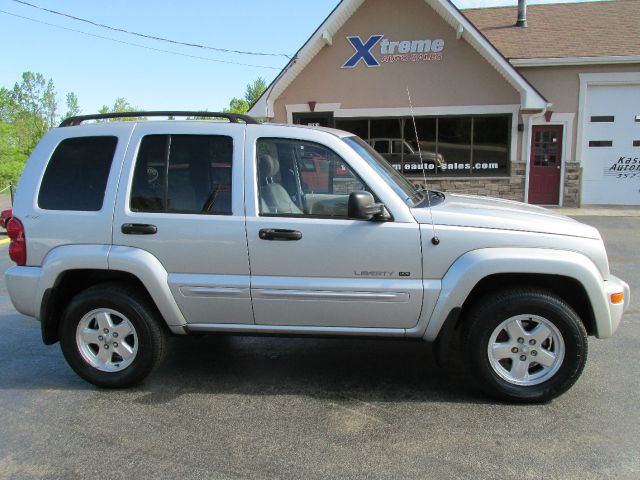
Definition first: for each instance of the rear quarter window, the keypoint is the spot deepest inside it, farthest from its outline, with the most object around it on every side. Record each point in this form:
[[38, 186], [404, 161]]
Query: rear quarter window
[[77, 174]]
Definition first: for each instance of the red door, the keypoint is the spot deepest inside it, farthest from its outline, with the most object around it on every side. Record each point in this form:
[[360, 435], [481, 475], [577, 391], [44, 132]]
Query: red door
[[545, 165]]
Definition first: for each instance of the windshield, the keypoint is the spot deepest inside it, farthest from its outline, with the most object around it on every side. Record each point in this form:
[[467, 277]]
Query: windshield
[[403, 187]]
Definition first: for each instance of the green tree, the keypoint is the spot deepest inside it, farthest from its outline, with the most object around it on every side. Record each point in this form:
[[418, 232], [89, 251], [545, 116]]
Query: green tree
[[31, 106], [251, 95], [254, 90], [27, 112], [12, 157], [237, 105], [73, 106], [120, 105]]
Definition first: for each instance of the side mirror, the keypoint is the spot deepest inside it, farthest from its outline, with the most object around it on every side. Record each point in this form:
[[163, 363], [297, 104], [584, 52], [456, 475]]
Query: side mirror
[[362, 206]]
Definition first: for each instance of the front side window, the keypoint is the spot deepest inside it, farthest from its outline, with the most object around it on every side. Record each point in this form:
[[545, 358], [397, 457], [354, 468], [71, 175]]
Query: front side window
[[183, 174], [298, 178], [76, 176]]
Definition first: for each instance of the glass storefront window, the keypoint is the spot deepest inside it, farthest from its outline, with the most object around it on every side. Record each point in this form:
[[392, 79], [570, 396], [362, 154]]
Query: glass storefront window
[[454, 144], [386, 128], [491, 145], [357, 127], [445, 146]]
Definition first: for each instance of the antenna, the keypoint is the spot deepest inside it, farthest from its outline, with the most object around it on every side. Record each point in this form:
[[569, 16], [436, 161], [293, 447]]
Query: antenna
[[434, 240]]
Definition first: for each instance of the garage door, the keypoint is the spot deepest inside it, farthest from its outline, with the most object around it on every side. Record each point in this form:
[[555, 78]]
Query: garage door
[[611, 146]]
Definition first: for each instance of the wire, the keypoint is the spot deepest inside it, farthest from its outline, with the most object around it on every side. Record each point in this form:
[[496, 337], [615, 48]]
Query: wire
[[151, 37], [137, 44]]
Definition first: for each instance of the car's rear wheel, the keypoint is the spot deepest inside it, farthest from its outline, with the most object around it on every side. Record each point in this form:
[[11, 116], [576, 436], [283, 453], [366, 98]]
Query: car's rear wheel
[[525, 345], [112, 336]]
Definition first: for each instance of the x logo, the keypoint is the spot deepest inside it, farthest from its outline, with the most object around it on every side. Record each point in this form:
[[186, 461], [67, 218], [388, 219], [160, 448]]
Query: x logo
[[363, 51]]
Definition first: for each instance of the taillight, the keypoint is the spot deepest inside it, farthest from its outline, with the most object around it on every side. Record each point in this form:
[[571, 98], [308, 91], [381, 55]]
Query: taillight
[[18, 246], [5, 216]]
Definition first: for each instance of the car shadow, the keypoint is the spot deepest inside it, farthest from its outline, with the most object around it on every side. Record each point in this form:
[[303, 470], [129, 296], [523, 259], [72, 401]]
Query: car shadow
[[322, 368], [325, 369]]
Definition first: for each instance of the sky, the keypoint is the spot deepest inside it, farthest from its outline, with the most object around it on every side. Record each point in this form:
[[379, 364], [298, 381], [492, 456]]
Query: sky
[[100, 65]]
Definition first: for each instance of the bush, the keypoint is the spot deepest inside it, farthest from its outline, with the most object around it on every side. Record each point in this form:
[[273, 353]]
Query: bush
[[12, 160], [10, 170]]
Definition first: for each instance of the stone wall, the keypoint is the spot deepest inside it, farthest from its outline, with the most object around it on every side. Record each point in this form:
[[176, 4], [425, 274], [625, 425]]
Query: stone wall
[[572, 174], [510, 188]]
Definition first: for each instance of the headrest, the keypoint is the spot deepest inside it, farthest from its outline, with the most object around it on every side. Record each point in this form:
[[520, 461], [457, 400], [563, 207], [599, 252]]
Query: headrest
[[269, 166]]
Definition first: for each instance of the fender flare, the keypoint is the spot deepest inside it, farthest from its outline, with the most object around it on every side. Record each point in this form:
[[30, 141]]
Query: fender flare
[[139, 263], [472, 267], [64, 258], [148, 269]]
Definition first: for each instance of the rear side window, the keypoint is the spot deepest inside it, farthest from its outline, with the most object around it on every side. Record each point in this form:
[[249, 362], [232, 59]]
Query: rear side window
[[183, 174], [76, 176]]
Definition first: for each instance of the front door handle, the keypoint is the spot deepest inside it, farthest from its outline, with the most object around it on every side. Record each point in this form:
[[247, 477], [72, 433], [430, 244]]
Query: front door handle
[[279, 234], [139, 229]]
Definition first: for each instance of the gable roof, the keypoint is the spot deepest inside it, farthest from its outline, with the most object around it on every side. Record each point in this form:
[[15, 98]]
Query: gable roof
[[531, 99], [593, 29]]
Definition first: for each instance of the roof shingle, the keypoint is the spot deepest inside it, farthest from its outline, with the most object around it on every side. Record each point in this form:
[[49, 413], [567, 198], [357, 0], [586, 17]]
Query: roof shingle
[[591, 29]]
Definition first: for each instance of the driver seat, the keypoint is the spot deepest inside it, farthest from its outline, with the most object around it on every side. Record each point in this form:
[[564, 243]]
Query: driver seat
[[272, 194]]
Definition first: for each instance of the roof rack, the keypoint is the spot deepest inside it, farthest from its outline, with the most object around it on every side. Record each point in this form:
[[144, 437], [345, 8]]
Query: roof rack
[[232, 117]]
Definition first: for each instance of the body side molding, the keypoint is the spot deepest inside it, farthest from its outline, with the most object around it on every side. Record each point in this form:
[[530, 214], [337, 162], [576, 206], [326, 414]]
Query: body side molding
[[295, 330]]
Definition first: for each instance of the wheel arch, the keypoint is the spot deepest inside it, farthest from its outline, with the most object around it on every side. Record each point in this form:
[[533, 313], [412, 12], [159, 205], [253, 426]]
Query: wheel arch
[[68, 270], [567, 288], [70, 283], [485, 270]]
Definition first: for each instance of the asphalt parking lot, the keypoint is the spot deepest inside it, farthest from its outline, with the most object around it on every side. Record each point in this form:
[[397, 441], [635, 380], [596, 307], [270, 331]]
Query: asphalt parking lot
[[230, 407]]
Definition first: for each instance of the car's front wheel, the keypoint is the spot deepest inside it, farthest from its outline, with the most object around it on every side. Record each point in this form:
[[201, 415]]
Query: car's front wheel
[[525, 345], [111, 336]]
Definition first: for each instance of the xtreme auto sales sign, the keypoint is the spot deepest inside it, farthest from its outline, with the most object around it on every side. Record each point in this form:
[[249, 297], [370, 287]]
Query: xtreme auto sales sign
[[377, 50]]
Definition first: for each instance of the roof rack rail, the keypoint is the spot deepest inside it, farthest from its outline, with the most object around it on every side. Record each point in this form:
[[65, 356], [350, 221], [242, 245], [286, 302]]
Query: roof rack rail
[[232, 117]]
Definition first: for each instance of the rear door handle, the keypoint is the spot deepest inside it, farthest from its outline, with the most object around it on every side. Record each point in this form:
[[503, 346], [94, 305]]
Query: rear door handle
[[139, 229], [279, 234]]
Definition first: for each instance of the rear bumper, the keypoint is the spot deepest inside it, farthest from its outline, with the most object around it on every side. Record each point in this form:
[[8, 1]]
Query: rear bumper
[[22, 284], [616, 285]]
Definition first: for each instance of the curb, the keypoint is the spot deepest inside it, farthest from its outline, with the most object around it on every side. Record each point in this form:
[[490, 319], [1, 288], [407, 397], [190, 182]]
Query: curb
[[4, 241]]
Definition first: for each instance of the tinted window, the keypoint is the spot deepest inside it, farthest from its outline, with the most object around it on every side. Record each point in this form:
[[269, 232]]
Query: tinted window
[[76, 176], [183, 174]]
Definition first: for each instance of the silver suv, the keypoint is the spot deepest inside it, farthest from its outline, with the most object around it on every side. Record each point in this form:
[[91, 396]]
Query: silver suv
[[126, 232]]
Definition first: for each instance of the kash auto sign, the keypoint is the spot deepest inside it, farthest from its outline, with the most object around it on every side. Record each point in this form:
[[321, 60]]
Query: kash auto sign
[[377, 50]]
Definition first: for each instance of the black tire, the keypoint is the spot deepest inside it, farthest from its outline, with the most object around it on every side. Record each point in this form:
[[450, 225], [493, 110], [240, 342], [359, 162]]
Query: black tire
[[484, 319], [130, 303]]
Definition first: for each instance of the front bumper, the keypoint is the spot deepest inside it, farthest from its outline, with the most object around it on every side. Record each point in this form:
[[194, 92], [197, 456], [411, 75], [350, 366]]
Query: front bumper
[[616, 285]]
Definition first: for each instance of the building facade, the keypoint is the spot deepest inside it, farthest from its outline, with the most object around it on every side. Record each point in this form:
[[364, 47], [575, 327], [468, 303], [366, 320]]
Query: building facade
[[465, 101]]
